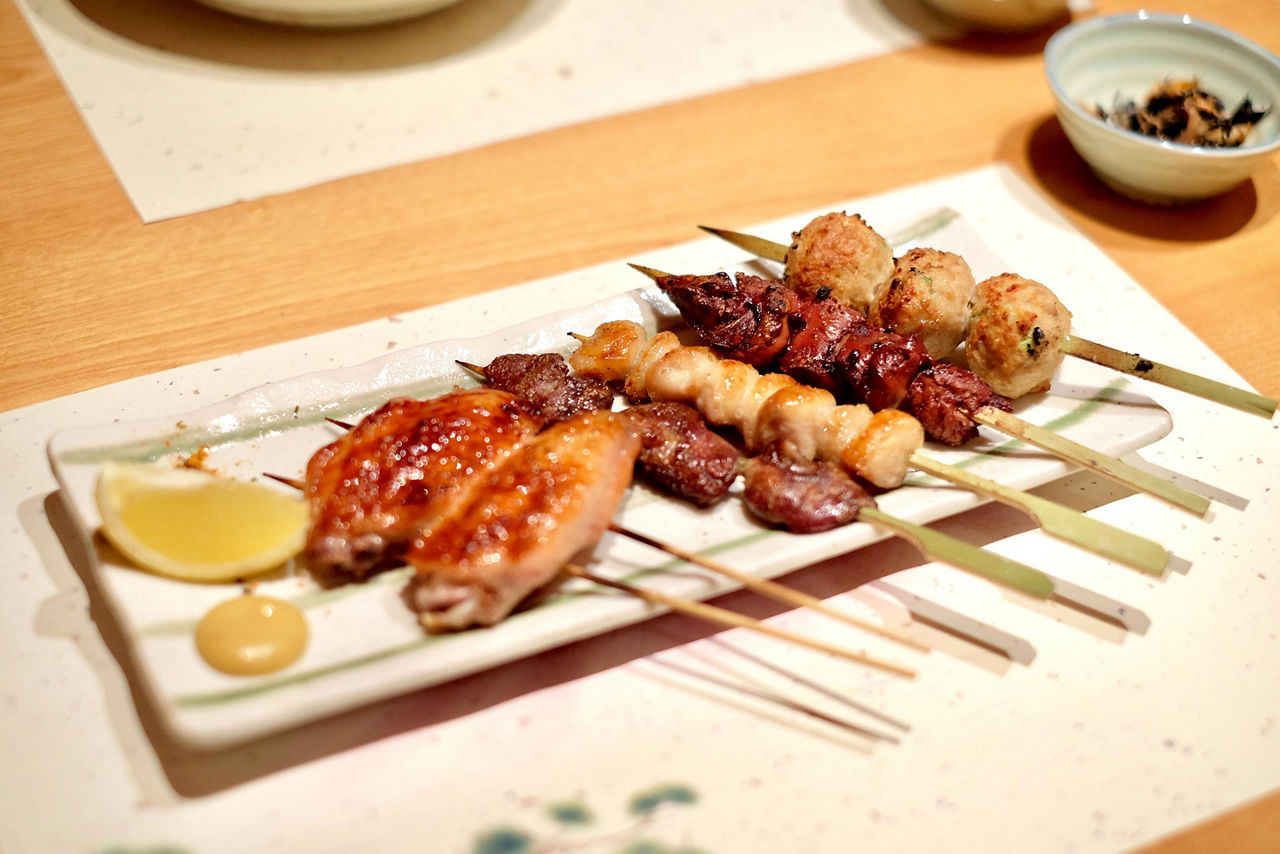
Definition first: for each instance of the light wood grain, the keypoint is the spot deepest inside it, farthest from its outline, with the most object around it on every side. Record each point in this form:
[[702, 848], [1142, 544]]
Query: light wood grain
[[92, 296]]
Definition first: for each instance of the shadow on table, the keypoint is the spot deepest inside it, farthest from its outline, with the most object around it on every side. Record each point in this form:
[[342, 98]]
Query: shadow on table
[[187, 28], [1064, 175]]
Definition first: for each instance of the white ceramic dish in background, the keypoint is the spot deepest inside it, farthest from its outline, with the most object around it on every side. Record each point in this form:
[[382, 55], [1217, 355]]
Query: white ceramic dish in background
[[1003, 15], [329, 13], [1125, 56]]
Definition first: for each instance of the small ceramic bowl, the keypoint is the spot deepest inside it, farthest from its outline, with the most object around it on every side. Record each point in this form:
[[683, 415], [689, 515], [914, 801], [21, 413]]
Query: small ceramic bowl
[[329, 13], [1003, 15], [1122, 57]]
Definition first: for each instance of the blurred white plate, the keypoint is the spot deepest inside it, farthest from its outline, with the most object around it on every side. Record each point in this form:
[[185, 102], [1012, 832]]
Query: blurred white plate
[[329, 13]]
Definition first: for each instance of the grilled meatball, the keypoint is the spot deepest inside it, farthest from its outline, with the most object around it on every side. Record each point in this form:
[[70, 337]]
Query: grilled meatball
[[842, 253], [927, 296], [1014, 333], [802, 496]]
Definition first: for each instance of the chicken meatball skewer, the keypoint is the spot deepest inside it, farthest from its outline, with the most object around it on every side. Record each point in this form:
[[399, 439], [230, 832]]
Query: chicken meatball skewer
[[823, 342], [1015, 337], [805, 423]]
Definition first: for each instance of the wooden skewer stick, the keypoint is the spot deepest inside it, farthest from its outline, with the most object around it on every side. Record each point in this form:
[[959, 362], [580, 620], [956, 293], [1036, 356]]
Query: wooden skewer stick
[[1013, 426], [1135, 365], [766, 587], [1081, 348], [722, 616]]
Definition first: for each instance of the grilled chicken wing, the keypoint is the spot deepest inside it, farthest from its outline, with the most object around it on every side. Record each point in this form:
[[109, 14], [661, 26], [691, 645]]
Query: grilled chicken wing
[[549, 500], [401, 470]]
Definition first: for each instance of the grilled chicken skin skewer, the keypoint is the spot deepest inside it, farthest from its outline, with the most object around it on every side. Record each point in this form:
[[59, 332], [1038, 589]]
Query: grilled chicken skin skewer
[[1018, 327], [821, 341]]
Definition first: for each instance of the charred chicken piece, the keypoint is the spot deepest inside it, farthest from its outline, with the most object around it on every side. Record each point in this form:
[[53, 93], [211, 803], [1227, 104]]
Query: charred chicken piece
[[680, 453], [945, 396], [803, 496], [549, 500], [878, 367], [748, 317], [402, 470], [818, 326], [544, 385]]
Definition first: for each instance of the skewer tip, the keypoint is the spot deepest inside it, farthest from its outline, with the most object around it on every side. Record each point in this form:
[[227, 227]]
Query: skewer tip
[[648, 271], [475, 369], [287, 481]]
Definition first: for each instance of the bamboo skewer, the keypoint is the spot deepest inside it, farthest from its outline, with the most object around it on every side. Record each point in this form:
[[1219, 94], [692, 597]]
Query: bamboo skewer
[[1081, 348], [722, 616], [766, 587], [1058, 520], [1135, 365]]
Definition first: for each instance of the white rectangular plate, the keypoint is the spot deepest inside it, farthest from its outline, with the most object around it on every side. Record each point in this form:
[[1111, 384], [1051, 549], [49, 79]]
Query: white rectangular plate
[[365, 645]]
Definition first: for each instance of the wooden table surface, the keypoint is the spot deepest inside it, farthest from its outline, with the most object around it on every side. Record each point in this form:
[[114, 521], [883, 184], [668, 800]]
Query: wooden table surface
[[91, 295]]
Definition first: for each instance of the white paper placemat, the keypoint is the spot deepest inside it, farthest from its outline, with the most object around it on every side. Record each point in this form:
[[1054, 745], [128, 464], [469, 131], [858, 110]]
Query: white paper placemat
[[195, 109], [1103, 741]]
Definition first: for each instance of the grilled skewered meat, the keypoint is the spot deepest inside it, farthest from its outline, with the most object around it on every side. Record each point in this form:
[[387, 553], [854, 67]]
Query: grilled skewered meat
[[1011, 331], [834, 347], [767, 409], [544, 385], [803, 496], [403, 470], [927, 297], [680, 453], [842, 254], [550, 499], [1014, 334]]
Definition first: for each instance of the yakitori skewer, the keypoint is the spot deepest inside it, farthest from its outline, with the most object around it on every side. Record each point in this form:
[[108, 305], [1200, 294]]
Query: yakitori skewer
[[803, 423], [711, 613], [1055, 519], [941, 395], [947, 549], [765, 587], [1132, 364]]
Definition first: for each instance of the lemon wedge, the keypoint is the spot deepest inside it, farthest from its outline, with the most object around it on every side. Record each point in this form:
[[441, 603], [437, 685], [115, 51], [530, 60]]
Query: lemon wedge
[[195, 526]]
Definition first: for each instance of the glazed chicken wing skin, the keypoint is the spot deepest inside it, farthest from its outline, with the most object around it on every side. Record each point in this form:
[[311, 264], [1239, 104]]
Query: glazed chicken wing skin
[[401, 470], [543, 504]]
